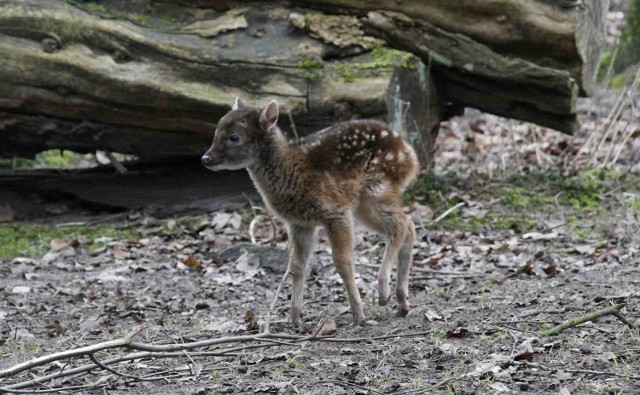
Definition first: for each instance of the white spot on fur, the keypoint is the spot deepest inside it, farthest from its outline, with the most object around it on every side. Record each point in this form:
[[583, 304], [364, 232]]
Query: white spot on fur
[[389, 156], [375, 161], [402, 156], [384, 134], [395, 134]]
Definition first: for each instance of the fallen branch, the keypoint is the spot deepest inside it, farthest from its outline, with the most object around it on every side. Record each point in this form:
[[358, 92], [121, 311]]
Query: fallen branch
[[613, 310], [579, 371], [122, 342], [177, 350]]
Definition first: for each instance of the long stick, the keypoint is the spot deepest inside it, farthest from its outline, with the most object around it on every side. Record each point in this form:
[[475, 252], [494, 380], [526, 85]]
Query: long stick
[[613, 310], [122, 342]]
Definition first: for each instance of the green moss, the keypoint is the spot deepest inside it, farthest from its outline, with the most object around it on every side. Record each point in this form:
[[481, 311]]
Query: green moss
[[347, 72], [605, 62], [95, 7], [311, 68], [384, 57], [167, 20], [139, 18], [29, 240]]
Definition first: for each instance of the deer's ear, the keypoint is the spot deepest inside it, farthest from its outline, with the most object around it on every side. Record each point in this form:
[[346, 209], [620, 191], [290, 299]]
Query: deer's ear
[[237, 104], [269, 116]]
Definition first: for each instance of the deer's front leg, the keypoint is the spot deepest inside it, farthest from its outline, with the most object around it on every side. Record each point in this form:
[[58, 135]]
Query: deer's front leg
[[340, 233], [301, 240]]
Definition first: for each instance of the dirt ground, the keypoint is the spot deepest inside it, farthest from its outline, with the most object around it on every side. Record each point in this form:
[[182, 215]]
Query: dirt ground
[[532, 242]]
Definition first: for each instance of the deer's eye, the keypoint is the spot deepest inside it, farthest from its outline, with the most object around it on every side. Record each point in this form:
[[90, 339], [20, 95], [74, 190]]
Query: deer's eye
[[234, 138]]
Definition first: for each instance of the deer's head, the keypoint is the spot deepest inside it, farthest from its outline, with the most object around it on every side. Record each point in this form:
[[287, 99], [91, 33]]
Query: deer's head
[[238, 136]]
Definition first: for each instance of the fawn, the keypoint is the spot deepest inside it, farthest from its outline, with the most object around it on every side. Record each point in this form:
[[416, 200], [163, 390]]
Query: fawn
[[352, 169]]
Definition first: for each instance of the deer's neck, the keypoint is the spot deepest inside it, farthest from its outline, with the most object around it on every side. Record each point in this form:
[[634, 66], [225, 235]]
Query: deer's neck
[[272, 165]]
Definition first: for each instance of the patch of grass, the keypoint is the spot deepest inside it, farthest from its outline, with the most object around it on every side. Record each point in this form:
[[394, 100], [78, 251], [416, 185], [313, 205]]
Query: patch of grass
[[311, 68], [55, 159], [519, 202], [519, 224], [294, 363], [32, 241], [277, 373], [514, 197], [634, 203]]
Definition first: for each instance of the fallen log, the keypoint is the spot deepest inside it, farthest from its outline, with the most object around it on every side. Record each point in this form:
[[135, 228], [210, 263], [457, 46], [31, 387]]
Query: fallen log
[[154, 81]]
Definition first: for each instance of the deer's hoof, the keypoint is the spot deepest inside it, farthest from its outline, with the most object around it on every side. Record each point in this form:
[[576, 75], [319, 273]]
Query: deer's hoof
[[383, 298]]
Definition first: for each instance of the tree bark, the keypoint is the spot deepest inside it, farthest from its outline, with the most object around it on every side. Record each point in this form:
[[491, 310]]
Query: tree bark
[[82, 77]]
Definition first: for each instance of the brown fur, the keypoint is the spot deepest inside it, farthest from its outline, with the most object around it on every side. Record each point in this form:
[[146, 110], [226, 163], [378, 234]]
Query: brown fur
[[353, 169]]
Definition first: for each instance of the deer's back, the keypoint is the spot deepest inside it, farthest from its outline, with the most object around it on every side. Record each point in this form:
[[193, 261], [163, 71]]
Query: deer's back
[[335, 169], [365, 151]]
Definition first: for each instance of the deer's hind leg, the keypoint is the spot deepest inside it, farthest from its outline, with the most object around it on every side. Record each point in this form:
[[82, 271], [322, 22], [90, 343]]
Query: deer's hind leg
[[385, 216], [405, 257], [340, 232]]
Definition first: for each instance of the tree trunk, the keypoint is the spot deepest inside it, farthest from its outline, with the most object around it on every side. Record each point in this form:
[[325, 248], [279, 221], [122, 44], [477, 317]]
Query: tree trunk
[[152, 78]]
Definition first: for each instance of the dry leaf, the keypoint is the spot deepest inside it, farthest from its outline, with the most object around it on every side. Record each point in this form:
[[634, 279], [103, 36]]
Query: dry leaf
[[326, 328], [432, 315], [251, 320], [57, 245], [540, 236], [192, 262], [458, 333]]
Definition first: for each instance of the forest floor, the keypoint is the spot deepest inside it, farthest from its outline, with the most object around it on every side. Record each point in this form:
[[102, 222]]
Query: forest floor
[[537, 236]]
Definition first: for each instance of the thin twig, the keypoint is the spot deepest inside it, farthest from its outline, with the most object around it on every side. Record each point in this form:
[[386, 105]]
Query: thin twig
[[449, 211], [348, 385], [108, 369], [267, 320], [293, 125], [586, 318], [115, 162]]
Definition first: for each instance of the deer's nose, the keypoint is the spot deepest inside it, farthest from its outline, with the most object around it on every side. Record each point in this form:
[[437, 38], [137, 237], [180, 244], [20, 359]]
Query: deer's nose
[[206, 159]]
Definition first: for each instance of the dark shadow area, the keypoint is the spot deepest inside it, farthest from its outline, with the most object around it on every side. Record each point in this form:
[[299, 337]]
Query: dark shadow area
[[175, 187]]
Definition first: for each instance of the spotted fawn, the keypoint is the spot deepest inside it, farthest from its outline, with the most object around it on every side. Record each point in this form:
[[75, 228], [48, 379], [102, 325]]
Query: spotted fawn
[[352, 169]]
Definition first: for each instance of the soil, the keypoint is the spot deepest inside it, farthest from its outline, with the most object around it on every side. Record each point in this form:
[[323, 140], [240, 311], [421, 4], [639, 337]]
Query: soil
[[528, 249]]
